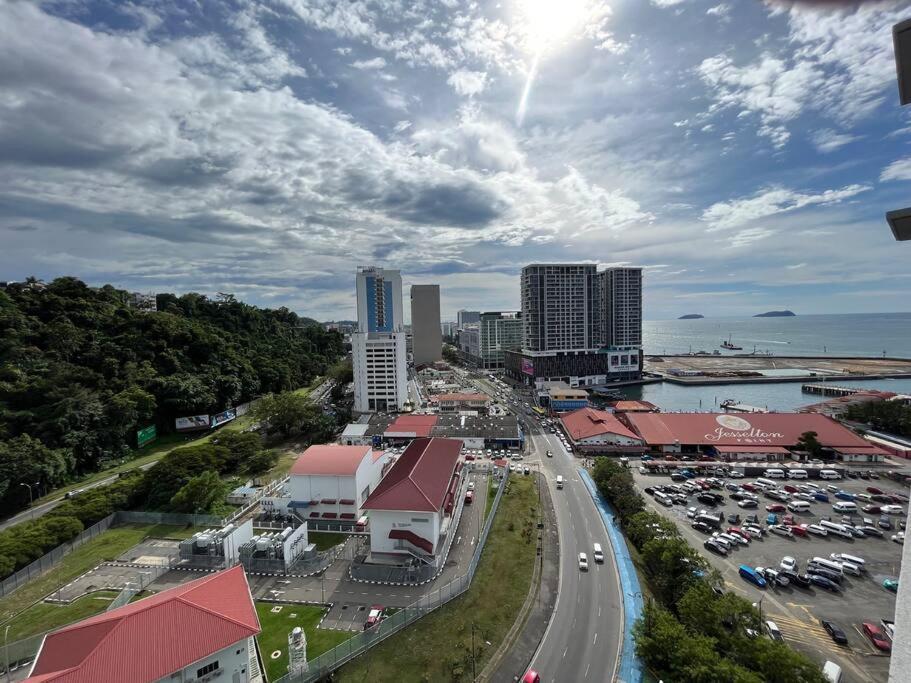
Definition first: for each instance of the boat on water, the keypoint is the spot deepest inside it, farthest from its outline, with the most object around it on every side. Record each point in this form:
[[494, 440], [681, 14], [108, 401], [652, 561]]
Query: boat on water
[[727, 344]]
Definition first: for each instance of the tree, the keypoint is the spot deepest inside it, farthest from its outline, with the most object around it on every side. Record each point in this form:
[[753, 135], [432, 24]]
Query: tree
[[242, 446], [809, 443], [24, 460], [288, 413], [200, 493], [261, 462]]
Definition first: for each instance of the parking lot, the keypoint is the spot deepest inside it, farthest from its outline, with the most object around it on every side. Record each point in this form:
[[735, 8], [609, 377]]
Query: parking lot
[[797, 611]]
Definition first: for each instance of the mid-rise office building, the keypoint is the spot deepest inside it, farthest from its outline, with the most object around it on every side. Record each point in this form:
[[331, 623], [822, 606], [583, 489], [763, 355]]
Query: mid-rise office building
[[574, 319], [426, 335], [487, 342], [464, 318], [449, 330], [378, 349], [620, 291]]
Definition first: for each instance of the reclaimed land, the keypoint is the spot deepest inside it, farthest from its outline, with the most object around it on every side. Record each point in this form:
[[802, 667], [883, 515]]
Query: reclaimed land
[[438, 647]]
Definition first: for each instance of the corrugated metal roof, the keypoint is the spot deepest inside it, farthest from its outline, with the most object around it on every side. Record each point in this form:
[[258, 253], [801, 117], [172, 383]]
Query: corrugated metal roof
[[152, 638], [419, 479], [330, 459], [587, 422]]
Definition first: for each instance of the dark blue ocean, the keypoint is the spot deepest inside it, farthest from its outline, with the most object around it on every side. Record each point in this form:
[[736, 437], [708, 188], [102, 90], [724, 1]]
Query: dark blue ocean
[[803, 335]]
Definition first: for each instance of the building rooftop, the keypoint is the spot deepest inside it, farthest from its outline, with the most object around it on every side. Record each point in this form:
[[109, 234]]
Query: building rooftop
[[152, 638], [413, 425], [419, 479], [634, 406], [330, 459], [723, 429], [356, 429], [465, 396], [588, 422]]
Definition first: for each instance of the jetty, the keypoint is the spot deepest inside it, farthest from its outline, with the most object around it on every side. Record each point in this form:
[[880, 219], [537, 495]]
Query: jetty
[[831, 390]]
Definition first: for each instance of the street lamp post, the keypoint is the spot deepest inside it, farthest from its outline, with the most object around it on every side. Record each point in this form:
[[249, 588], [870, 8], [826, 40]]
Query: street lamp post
[[29, 487], [6, 650]]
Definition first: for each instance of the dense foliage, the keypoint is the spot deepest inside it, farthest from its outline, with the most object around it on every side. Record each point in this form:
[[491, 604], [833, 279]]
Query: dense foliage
[[887, 416], [81, 371], [693, 633]]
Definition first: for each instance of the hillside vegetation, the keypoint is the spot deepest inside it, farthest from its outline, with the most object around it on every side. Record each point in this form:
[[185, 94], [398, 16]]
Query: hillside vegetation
[[81, 371]]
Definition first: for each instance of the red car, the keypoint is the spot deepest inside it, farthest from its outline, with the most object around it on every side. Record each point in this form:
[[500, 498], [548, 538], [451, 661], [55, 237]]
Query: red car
[[737, 531], [531, 676], [748, 487], [877, 637], [788, 520], [873, 489], [374, 616], [775, 507], [469, 497], [789, 488], [798, 530]]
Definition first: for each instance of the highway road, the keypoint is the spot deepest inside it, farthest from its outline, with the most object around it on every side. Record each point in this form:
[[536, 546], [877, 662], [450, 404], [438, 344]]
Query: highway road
[[583, 639]]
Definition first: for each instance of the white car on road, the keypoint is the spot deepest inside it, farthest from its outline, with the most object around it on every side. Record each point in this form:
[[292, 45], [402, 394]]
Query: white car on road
[[583, 562]]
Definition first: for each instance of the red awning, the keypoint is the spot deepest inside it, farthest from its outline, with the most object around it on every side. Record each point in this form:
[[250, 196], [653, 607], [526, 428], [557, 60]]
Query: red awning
[[329, 515], [314, 514], [346, 501], [328, 501], [346, 515]]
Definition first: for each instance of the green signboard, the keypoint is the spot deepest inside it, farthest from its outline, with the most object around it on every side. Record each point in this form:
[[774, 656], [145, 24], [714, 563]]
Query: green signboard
[[146, 436]]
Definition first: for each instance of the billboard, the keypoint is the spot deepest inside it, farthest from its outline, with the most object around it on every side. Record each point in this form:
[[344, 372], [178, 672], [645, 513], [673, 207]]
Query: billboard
[[528, 367], [189, 424], [221, 418], [146, 435]]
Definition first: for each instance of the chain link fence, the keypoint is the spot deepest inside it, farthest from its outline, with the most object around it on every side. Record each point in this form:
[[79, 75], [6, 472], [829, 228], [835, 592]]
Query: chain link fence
[[168, 518], [332, 659]]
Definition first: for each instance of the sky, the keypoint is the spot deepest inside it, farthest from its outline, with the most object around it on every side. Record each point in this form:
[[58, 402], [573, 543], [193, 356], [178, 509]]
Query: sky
[[743, 153]]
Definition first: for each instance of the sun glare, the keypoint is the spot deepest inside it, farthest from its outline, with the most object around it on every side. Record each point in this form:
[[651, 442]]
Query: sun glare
[[548, 22]]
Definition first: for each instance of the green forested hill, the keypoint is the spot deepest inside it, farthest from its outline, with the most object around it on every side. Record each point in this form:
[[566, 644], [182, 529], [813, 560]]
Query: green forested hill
[[80, 371]]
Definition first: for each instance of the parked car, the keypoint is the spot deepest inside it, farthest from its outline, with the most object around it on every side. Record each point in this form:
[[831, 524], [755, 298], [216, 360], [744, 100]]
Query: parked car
[[748, 504], [772, 576], [874, 489], [771, 518], [702, 527], [775, 507], [872, 509], [823, 582], [374, 616], [796, 579], [707, 499], [844, 495], [821, 496], [751, 575], [891, 585], [735, 474], [884, 523], [772, 629], [714, 546], [788, 563], [899, 537], [798, 530], [877, 637], [834, 631], [871, 531], [892, 510], [781, 530], [753, 531], [691, 512], [824, 572]]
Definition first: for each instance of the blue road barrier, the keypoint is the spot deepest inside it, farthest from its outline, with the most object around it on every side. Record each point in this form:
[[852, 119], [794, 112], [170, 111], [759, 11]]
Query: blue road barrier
[[630, 670]]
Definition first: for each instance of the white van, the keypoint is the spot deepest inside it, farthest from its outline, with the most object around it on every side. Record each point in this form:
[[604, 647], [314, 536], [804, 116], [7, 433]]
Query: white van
[[559, 481], [844, 557], [827, 564], [845, 506], [774, 474], [851, 568], [831, 672], [798, 506], [598, 555], [829, 474], [797, 474], [766, 483], [834, 528]]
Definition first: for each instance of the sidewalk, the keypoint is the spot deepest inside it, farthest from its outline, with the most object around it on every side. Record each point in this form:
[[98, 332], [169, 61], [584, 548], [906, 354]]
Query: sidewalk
[[518, 657]]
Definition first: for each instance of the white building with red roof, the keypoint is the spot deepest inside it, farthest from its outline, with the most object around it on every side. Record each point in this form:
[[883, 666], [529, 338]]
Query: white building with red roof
[[203, 630], [599, 431], [411, 510], [330, 482]]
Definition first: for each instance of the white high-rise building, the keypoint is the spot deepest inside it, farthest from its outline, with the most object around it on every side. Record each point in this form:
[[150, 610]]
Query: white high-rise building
[[620, 307], [378, 348]]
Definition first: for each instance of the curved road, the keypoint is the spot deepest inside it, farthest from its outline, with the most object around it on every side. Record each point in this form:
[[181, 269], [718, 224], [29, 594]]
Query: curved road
[[582, 641]]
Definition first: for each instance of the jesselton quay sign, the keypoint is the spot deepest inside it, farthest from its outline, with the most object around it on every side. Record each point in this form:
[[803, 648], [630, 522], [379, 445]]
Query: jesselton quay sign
[[741, 431]]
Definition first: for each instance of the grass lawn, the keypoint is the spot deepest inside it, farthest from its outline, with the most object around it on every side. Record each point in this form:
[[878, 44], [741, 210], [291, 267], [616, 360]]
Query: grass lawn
[[438, 647], [326, 539], [106, 546], [45, 616], [283, 466], [277, 625], [492, 486]]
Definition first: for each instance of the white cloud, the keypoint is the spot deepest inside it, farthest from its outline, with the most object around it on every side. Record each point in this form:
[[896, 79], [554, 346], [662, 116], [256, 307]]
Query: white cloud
[[897, 170], [769, 202], [369, 64], [666, 3], [722, 11], [828, 140], [468, 83]]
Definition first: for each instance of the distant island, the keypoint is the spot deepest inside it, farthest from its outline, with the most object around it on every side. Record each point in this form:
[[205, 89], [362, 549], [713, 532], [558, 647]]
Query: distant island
[[691, 316], [775, 314]]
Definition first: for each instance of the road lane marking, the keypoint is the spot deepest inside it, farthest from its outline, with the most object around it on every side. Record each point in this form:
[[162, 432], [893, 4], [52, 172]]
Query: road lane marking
[[564, 652], [595, 639]]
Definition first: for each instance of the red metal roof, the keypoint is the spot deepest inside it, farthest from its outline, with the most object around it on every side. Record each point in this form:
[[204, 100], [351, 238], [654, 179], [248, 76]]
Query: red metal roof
[[419, 479], [756, 429], [330, 459], [588, 422], [152, 638], [419, 425], [781, 450], [634, 406]]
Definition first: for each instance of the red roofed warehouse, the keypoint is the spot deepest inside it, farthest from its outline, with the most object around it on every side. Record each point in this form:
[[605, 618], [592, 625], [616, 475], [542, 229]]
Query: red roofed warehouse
[[598, 431], [454, 403], [330, 482], [410, 511], [693, 432], [199, 631]]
